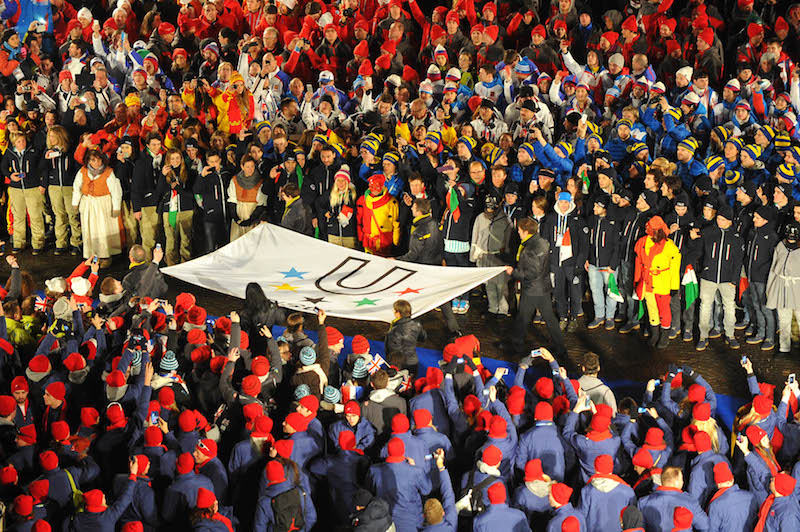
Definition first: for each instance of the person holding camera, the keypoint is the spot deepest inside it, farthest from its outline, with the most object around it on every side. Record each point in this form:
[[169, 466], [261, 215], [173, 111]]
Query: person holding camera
[[176, 204], [97, 194]]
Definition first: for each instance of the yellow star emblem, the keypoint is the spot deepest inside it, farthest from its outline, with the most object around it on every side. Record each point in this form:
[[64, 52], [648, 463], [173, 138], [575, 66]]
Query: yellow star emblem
[[284, 286]]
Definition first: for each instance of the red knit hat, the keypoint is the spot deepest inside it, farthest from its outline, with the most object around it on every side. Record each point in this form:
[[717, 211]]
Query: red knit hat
[[604, 464], [334, 336], [187, 421], [702, 442], [630, 24], [352, 407], [654, 436], [400, 424], [94, 501], [561, 493], [682, 518], [707, 36], [543, 411], [206, 498], [142, 463], [539, 30], [297, 422], [284, 448], [544, 388], [755, 434], [643, 458], [74, 362], [260, 366], [60, 430], [39, 364], [762, 405], [201, 354], [722, 473], [48, 460], [361, 49], [701, 411], [19, 383], [262, 427], [492, 32], [114, 413], [781, 24], [165, 28], [384, 61], [347, 440], [196, 336], [754, 29], [422, 418], [89, 416], [360, 345], [784, 484], [153, 437], [498, 427], [132, 526], [571, 524], [115, 379], [516, 403], [166, 396], [251, 386], [497, 493], [604, 410], [8, 475], [185, 463], [217, 364], [310, 402], [196, 316], [23, 505], [7, 405], [184, 302], [533, 470], [366, 68], [208, 447], [492, 456], [275, 472], [56, 390], [471, 404], [673, 45], [600, 423], [396, 450]]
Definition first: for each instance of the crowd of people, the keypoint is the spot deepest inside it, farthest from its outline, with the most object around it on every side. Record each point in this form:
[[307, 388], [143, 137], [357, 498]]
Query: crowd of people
[[643, 154]]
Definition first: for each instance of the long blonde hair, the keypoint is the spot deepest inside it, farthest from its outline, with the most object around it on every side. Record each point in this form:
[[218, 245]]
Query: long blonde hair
[[710, 427], [60, 138], [347, 198]]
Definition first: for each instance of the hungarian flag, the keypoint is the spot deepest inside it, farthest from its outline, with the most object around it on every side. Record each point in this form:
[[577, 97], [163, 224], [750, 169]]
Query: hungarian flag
[[743, 284], [638, 295], [452, 204], [584, 175], [690, 287], [565, 249], [613, 289]]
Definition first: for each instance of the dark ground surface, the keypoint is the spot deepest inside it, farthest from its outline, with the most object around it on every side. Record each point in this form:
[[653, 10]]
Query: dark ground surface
[[623, 357]]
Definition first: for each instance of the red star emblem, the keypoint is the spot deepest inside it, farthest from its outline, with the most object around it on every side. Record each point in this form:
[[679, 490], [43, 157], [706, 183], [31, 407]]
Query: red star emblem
[[409, 291]]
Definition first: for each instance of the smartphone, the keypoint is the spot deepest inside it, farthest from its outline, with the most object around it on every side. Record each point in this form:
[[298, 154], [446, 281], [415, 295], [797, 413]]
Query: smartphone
[[739, 438], [505, 371], [679, 370], [158, 246], [657, 382], [536, 353], [95, 260], [123, 36], [744, 360], [22, 175], [642, 410], [555, 373], [309, 89], [154, 418], [791, 378], [588, 401]]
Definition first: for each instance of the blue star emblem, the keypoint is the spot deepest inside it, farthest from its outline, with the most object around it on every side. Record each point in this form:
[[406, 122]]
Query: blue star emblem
[[293, 273]]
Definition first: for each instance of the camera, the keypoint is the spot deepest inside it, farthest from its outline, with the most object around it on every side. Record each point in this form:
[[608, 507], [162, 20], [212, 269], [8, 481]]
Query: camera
[[348, 12]]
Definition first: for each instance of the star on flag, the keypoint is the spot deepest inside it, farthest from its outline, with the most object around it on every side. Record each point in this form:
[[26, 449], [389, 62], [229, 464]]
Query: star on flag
[[367, 301], [409, 291], [293, 273], [284, 286]]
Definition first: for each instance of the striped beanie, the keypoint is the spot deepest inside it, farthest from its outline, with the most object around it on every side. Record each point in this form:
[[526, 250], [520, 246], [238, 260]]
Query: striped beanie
[[371, 145], [787, 172], [732, 178], [301, 391], [528, 148], [331, 395], [319, 137], [782, 141], [714, 162], [753, 150], [523, 66], [308, 356], [675, 113], [494, 155], [392, 158], [624, 122], [136, 358], [360, 368], [596, 137], [637, 147], [168, 362], [689, 144], [736, 141], [566, 148], [723, 133], [439, 51], [454, 74], [435, 137], [768, 131]]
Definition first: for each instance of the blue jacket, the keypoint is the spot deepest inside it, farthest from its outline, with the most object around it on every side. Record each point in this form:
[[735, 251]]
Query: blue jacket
[[450, 521], [542, 441], [758, 475], [602, 501], [736, 510], [243, 456], [60, 489], [435, 440], [701, 477], [660, 456], [501, 517], [181, 497], [690, 172], [533, 498], [560, 514], [587, 450], [508, 444], [618, 148], [214, 470], [364, 431], [403, 486], [349, 469], [305, 448], [105, 520], [264, 518], [143, 505], [433, 402], [784, 515], [416, 449], [658, 509]]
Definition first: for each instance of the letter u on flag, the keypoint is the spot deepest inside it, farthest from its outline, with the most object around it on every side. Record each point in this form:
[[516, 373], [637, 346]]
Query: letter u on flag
[[691, 290]]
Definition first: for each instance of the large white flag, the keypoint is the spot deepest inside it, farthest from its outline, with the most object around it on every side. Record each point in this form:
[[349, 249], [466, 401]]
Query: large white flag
[[303, 273]]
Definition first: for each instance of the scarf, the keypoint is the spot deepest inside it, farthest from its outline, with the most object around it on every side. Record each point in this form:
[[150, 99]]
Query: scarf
[[13, 53], [94, 174], [717, 495], [122, 423], [522, 246], [769, 460], [224, 520], [248, 182], [763, 513]]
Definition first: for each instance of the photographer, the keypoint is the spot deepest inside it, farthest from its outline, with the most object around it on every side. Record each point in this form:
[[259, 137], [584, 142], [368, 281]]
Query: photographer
[[176, 206]]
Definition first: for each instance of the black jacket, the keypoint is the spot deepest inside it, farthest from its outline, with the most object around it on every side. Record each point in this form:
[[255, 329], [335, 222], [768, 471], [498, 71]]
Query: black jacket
[[632, 230], [758, 253], [723, 253], [28, 163], [604, 237], [60, 171], [144, 183], [533, 267], [298, 218], [403, 337], [425, 243], [213, 190]]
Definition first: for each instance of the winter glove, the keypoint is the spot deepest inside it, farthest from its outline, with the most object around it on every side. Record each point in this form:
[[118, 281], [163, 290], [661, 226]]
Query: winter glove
[[688, 371], [672, 371]]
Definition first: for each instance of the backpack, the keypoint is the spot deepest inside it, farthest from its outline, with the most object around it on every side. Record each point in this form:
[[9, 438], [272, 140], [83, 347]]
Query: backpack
[[78, 502], [470, 501], [287, 508]]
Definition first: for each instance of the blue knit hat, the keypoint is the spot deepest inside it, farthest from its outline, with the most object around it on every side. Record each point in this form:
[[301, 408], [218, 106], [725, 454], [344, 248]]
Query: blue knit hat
[[308, 356], [301, 391], [360, 368], [168, 362], [528, 148], [331, 395], [714, 162]]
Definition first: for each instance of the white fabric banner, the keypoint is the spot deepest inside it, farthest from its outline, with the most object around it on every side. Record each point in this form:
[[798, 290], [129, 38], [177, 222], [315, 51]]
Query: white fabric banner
[[302, 273]]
